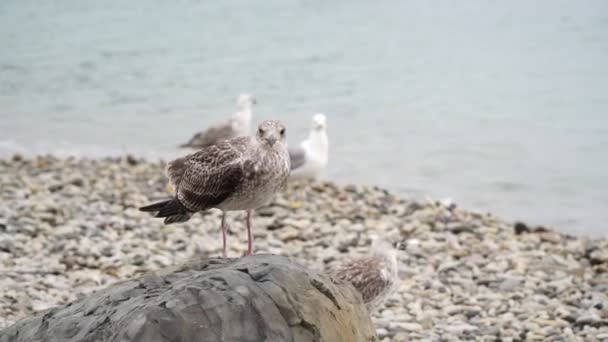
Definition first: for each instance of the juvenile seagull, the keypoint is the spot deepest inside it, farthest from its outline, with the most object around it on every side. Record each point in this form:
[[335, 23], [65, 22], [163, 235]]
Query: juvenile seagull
[[310, 158], [374, 276], [238, 174], [238, 125]]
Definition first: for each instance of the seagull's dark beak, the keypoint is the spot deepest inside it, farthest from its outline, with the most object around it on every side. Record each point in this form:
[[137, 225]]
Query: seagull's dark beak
[[271, 140], [400, 245]]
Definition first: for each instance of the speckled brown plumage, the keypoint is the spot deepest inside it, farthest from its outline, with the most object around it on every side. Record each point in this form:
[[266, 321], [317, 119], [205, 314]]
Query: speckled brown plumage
[[374, 276], [238, 174], [368, 275]]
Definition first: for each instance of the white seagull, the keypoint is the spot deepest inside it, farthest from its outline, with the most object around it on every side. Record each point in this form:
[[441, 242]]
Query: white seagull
[[238, 125], [310, 158]]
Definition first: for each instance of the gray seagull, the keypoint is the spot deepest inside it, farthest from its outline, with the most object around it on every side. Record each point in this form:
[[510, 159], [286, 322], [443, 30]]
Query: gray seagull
[[238, 125], [238, 174]]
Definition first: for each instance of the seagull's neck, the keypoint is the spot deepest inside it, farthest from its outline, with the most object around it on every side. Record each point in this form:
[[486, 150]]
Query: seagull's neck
[[243, 118], [390, 256], [262, 152], [244, 108], [318, 141], [384, 250]]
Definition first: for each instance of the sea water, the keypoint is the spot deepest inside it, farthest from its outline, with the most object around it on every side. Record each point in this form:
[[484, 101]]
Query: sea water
[[500, 106]]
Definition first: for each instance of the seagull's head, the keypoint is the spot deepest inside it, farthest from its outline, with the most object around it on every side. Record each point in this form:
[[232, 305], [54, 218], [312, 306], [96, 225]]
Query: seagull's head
[[271, 134], [400, 245], [387, 247], [246, 101], [319, 122]]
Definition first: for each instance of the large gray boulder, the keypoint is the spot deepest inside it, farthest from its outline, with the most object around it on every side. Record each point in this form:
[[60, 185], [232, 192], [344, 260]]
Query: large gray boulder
[[257, 298]]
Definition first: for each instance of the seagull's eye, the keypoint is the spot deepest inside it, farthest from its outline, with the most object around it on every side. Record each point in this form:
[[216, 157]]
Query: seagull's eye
[[282, 131], [261, 131]]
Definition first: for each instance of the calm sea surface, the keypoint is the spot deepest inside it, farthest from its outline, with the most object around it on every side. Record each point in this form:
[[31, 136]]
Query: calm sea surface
[[501, 106]]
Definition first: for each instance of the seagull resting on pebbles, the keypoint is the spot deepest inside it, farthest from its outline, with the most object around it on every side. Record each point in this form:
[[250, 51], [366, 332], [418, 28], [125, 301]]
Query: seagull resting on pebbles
[[238, 174], [374, 276], [238, 125], [310, 158]]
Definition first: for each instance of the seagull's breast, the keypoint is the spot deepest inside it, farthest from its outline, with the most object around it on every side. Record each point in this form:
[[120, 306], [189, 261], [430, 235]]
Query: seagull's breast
[[263, 176]]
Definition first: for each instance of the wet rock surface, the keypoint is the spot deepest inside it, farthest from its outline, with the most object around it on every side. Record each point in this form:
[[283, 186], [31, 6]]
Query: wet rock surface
[[69, 227]]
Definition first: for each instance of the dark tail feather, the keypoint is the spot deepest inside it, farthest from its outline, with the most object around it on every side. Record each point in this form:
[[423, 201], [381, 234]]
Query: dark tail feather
[[156, 206], [177, 218], [172, 209]]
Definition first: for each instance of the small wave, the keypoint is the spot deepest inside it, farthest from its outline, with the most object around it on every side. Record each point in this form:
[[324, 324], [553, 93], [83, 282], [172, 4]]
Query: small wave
[[9, 147], [510, 186], [66, 149]]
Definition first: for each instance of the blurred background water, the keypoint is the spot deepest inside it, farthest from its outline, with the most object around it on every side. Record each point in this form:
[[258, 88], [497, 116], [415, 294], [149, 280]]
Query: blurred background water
[[501, 106]]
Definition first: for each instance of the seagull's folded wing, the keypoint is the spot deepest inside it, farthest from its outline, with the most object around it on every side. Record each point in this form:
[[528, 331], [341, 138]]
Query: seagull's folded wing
[[206, 178], [297, 157], [211, 136], [367, 276]]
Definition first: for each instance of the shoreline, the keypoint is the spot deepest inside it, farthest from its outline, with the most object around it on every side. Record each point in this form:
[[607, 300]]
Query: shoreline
[[71, 226], [583, 224]]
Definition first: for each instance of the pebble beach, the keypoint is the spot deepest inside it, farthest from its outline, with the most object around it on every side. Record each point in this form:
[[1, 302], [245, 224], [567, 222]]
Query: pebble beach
[[70, 226]]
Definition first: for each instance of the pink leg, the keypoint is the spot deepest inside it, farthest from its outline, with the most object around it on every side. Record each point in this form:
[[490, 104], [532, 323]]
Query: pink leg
[[249, 234], [224, 230]]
